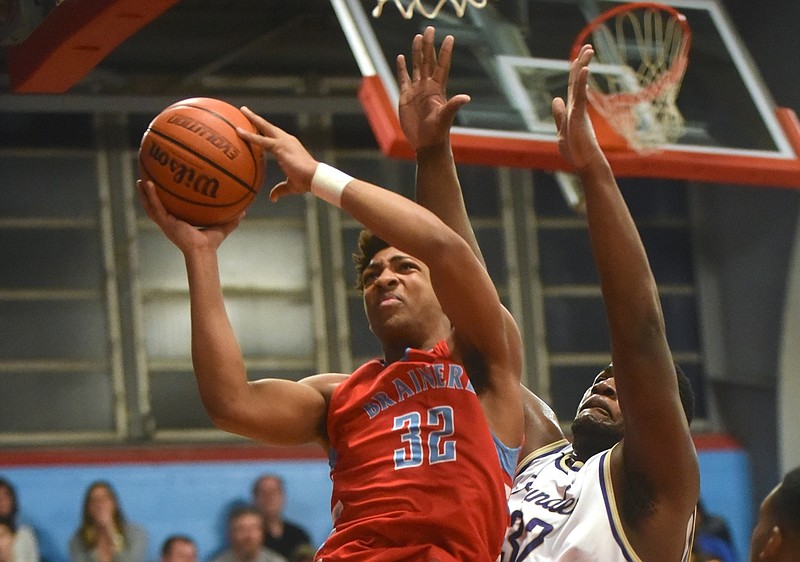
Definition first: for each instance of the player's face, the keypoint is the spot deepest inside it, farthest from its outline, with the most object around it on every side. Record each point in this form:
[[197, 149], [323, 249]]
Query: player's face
[[398, 296], [764, 527], [598, 425], [600, 400]]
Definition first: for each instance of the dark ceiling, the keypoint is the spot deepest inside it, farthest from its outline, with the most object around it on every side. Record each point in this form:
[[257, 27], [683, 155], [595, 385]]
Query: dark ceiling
[[285, 47], [204, 46]]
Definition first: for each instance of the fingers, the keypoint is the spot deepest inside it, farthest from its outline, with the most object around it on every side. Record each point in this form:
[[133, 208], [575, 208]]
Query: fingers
[[579, 74], [428, 67], [449, 110], [559, 109], [579, 98], [258, 140], [416, 57], [279, 191], [425, 63], [442, 72], [403, 79], [150, 202], [261, 125]]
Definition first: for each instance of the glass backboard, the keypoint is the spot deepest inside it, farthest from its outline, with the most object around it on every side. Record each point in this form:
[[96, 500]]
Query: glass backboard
[[512, 58]]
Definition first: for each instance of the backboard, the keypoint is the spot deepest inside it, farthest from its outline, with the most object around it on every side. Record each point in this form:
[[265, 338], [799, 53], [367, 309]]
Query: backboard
[[512, 58]]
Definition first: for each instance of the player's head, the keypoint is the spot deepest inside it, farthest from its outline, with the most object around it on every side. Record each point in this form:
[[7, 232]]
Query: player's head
[[599, 425], [776, 536], [401, 306]]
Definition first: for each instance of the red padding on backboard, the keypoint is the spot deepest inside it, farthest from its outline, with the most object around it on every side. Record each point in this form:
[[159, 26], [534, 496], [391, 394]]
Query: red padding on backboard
[[383, 118], [544, 155], [73, 38]]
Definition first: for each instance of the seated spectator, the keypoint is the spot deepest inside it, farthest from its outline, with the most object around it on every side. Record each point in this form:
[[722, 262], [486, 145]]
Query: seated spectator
[[179, 548], [712, 537], [26, 546], [280, 535], [776, 536], [246, 538], [104, 535], [7, 531]]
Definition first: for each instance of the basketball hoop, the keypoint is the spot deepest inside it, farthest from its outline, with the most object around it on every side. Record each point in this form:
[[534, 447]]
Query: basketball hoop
[[407, 12], [651, 43]]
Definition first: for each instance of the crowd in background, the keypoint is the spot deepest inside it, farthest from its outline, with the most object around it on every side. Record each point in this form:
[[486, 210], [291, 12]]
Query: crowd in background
[[256, 531]]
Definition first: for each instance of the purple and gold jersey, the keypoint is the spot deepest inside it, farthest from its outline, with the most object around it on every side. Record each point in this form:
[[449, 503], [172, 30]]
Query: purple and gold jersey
[[564, 510]]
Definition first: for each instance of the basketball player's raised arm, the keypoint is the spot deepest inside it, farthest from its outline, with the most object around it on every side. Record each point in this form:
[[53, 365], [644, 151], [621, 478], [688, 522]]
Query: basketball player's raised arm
[[276, 411], [657, 456], [426, 117], [462, 285]]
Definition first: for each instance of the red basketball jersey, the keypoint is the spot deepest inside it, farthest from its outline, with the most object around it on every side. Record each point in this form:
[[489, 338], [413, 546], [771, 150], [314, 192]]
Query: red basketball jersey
[[416, 470]]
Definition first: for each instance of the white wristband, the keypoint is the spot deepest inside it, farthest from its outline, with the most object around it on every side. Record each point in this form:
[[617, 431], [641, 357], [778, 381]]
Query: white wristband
[[328, 183]]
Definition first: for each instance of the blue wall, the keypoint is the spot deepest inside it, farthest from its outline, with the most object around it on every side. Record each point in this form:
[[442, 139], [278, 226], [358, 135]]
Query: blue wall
[[193, 497], [726, 491], [190, 498]]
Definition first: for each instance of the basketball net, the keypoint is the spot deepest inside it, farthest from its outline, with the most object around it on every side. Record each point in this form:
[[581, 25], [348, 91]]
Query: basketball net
[[650, 43], [407, 12]]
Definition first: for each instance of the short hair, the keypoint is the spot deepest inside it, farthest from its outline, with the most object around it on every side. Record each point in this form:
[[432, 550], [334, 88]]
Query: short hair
[[242, 510], [166, 546], [786, 502], [686, 393], [368, 246], [263, 477]]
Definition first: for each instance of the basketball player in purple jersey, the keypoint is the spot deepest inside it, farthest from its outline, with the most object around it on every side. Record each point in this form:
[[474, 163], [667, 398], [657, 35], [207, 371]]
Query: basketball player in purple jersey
[[627, 487], [422, 442]]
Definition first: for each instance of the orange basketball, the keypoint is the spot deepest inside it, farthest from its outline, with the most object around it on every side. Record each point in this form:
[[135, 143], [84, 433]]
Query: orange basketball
[[203, 171]]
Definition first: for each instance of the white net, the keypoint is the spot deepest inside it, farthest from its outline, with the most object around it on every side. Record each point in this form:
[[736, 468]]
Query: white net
[[651, 43], [408, 9]]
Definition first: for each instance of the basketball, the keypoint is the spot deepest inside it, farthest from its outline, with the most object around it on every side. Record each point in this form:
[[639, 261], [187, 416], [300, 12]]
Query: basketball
[[204, 173]]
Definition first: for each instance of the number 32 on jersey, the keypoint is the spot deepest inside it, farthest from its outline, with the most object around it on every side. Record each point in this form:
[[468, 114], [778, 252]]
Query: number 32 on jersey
[[425, 437]]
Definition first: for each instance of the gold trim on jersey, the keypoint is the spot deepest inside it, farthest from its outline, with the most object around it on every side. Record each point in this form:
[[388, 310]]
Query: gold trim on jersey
[[610, 500], [541, 451]]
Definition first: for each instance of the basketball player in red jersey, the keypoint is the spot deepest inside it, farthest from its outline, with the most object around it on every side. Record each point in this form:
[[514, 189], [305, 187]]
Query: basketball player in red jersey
[[422, 443], [632, 463]]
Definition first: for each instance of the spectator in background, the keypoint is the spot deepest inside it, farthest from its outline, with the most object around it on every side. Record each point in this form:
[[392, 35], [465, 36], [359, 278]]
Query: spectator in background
[[280, 535], [776, 536], [7, 531], [179, 548], [246, 538], [712, 537], [26, 546], [104, 535]]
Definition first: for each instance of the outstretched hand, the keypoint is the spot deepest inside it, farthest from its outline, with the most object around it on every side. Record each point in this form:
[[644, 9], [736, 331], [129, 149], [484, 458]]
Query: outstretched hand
[[426, 114], [185, 236], [292, 157], [576, 137]]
